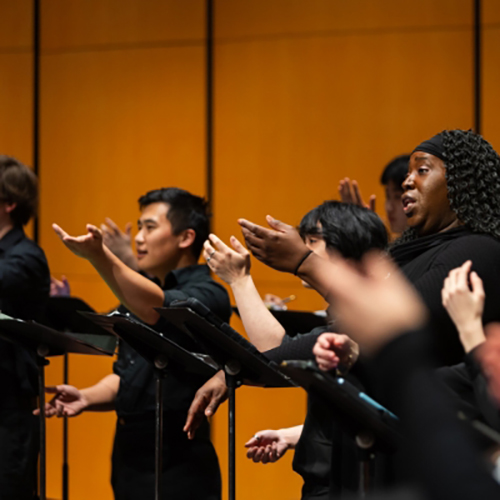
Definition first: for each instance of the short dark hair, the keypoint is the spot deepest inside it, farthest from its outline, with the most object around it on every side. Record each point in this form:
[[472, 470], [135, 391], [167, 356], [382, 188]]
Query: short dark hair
[[19, 185], [185, 211], [349, 229], [395, 171]]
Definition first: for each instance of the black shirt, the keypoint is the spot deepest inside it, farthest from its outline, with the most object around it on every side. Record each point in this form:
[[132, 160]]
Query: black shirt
[[136, 394], [24, 292], [427, 261]]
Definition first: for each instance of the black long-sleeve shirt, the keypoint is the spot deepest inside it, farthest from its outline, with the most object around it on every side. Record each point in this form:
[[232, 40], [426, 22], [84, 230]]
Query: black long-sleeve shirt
[[24, 291]]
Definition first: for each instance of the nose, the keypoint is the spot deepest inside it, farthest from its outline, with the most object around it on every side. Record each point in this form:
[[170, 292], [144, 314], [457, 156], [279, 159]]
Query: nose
[[408, 182], [139, 237]]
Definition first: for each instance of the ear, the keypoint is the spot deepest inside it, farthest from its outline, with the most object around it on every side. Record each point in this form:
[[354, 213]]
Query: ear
[[187, 238], [9, 207]]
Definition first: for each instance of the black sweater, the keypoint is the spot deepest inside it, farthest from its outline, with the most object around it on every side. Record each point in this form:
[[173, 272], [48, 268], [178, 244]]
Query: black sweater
[[427, 261]]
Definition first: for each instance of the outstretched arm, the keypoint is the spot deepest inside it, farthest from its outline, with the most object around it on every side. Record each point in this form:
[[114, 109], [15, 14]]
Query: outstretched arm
[[137, 293], [233, 266], [269, 446], [282, 248], [68, 401]]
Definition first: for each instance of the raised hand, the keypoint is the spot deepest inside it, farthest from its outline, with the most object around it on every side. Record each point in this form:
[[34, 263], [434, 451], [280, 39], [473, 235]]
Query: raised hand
[[88, 246], [230, 265], [59, 288], [119, 242], [280, 247], [465, 304], [68, 401], [335, 350], [267, 446], [350, 193], [205, 403]]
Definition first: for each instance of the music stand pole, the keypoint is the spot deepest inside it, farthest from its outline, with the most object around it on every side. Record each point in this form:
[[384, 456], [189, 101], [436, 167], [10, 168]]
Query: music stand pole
[[160, 365], [365, 442], [232, 369], [65, 466], [42, 351]]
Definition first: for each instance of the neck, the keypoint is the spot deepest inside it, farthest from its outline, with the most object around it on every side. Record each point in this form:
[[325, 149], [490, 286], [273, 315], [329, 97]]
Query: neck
[[5, 228], [452, 225]]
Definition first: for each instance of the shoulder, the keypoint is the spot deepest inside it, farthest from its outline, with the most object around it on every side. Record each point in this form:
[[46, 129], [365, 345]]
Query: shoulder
[[472, 245]]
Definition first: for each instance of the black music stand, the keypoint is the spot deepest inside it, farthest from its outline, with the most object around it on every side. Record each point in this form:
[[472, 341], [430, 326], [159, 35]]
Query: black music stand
[[160, 351], [241, 361], [62, 313], [371, 425], [44, 342]]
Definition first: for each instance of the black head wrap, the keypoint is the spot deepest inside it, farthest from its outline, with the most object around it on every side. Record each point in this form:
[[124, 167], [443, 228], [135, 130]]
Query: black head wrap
[[433, 146]]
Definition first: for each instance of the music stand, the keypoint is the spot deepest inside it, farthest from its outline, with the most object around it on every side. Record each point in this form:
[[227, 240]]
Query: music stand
[[241, 361], [62, 313], [44, 342], [371, 425], [160, 351]]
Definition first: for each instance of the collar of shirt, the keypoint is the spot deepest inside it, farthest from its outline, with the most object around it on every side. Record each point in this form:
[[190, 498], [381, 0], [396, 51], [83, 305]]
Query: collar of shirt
[[13, 237], [184, 275]]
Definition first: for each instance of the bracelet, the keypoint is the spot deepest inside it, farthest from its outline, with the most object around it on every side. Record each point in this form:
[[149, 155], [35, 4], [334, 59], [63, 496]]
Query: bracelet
[[301, 261]]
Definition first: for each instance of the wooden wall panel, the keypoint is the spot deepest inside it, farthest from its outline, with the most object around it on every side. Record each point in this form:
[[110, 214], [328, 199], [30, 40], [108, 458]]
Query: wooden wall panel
[[239, 19], [80, 24], [16, 79], [491, 73]]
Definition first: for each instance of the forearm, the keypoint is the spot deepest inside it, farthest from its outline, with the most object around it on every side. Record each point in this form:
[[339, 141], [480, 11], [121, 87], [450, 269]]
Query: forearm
[[263, 329], [318, 273], [137, 293], [291, 435], [101, 397]]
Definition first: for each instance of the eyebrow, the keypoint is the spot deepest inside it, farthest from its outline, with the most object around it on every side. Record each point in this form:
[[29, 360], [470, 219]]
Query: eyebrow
[[146, 221]]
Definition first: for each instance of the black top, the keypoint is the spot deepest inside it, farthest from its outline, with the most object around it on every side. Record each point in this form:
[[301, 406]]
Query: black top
[[427, 261], [441, 454], [136, 395], [24, 292]]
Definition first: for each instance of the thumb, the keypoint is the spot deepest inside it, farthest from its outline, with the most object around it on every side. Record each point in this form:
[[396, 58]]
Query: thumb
[[128, 228], [277, 224]]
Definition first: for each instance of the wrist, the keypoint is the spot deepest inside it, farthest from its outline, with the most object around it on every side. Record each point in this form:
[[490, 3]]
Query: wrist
[[472, 334], [241, 281], [84, 400]]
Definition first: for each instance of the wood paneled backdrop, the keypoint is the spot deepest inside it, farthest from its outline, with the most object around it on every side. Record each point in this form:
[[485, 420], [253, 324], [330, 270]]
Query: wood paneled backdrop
[[306, 92]]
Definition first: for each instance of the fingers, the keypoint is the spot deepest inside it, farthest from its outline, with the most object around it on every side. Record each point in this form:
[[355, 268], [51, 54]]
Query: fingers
[[60, 231], [94, 231], [113, 227], [235, 243], [194, 417], [128, 229], [217, 243], [357, 194], [372, 202], [477, 285], [277, 224], [257, 231], [462, 274]]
